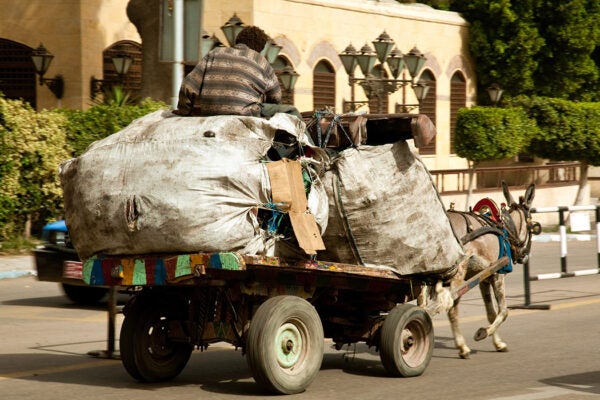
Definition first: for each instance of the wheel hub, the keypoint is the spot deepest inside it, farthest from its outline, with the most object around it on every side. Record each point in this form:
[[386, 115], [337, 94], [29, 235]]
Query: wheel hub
[[290, 345], [159, 345], [408, 340]]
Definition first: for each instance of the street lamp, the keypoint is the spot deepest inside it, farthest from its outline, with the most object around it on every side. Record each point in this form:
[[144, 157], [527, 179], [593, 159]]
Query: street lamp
[[121, 62], [207, 43], [495, 93], [414, 61], [349, 59], [232, 28], [271, 51], [420, 90], [288, 78], [379, 86], [366, 58], [41, 59]]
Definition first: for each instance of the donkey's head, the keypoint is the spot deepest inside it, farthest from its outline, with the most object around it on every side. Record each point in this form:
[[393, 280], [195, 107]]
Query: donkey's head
[[519, 224]]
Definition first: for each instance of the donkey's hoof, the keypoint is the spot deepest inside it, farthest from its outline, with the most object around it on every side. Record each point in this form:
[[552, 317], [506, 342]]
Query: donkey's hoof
[[503, 348], [465, 355], [480, 334]]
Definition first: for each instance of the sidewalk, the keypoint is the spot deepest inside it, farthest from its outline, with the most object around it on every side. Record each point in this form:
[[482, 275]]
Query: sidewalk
[[14, 266]]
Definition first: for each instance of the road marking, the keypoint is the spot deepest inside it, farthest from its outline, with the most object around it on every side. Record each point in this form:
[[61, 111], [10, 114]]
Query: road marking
[[29, 313], [575, 304], [56, 370], [541, 393], [514, 313]]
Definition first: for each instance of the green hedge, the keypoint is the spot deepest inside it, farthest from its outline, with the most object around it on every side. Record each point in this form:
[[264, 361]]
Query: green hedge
[[85, 127], [32, 146], [568, 131], [492, 133]]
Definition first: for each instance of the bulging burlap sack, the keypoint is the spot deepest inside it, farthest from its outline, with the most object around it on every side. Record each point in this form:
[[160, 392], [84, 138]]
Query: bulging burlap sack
[[173, 184], [385, 210]]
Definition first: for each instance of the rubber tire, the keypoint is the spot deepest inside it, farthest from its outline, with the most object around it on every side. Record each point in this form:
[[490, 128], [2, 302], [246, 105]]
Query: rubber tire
[[84, 295], [407, 341], [146, 352], [275, 368]]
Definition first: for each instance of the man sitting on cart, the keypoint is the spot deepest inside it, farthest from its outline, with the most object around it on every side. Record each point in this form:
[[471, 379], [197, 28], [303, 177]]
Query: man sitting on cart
[[234, 80]]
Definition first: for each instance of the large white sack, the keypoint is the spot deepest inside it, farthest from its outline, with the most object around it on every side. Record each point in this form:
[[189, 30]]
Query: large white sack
[[385, 210], [173, 184]]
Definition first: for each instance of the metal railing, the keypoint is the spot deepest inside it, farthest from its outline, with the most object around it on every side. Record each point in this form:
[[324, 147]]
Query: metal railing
[[564, 273], [449, 181]]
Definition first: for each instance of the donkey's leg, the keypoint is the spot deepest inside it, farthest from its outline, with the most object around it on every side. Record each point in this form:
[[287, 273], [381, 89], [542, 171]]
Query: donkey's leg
[[423, 296], [500, 292], [485, 287], [496, 318], [459, 340]]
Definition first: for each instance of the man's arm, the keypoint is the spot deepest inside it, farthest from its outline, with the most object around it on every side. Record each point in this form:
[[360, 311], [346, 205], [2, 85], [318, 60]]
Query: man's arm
[[190, 90], [272, 90]]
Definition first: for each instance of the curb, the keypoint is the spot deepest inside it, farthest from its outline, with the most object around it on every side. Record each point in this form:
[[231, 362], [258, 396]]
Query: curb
[[16, 274]]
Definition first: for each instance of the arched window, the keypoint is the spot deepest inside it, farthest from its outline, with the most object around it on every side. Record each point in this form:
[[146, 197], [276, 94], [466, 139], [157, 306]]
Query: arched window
[[428, 107], [323, 85], [458, 100], [132, 80], [17, 72], [287, 96], [377, 104]]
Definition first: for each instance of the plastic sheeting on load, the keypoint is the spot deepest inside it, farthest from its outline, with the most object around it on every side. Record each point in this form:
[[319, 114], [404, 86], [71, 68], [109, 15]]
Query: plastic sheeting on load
[[385, 210], [175, 184]]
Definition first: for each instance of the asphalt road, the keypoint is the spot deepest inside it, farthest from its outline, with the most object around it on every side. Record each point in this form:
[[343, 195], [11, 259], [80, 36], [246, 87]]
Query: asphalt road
[[554, 354]]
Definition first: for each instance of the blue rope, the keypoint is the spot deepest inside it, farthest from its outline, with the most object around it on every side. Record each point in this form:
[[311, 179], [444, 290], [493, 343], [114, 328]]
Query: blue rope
[[276, 217], [505, 251]]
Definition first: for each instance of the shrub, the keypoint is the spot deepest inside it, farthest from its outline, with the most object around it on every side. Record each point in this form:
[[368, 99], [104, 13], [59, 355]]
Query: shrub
[[491, 133], [33, 144], [100, 121], [568, 131]]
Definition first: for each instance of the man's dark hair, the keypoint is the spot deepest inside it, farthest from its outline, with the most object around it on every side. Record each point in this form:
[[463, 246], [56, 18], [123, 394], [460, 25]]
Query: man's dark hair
[[253, 37]]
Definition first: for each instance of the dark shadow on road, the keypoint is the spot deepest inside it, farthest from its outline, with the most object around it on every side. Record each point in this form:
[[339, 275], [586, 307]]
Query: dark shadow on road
[[61, 302], [588, 382], [220, 370]]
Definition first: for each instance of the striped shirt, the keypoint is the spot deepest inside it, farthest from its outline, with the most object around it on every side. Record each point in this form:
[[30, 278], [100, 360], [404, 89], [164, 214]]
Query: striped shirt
[[231, 81]]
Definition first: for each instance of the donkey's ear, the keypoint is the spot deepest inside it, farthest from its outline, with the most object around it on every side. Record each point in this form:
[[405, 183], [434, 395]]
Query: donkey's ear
[[507, 195], [529, 195]]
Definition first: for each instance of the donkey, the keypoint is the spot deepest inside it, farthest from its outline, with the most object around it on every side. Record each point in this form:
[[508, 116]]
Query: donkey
[[485, 238]]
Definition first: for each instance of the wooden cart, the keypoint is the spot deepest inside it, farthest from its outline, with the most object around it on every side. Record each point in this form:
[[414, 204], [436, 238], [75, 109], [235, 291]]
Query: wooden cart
[[278, 312]]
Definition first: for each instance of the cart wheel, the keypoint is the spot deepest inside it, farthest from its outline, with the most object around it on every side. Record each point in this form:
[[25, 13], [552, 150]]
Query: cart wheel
[[406, 341], [285, 344], [146, 352]]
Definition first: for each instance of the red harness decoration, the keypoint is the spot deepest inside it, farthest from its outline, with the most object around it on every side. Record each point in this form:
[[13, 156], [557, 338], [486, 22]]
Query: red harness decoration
[[487, 207]]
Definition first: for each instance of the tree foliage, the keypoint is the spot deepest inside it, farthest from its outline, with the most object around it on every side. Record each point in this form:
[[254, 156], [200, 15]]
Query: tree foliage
[[504, 41], [534, 47], [571, 32]]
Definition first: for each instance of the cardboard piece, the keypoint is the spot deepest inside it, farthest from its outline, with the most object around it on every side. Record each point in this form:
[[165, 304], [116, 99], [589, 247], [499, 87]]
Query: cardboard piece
[[287, 190]]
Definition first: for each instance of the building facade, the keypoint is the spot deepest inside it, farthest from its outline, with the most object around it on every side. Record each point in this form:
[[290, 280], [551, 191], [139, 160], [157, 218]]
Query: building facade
[[84, 35]]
